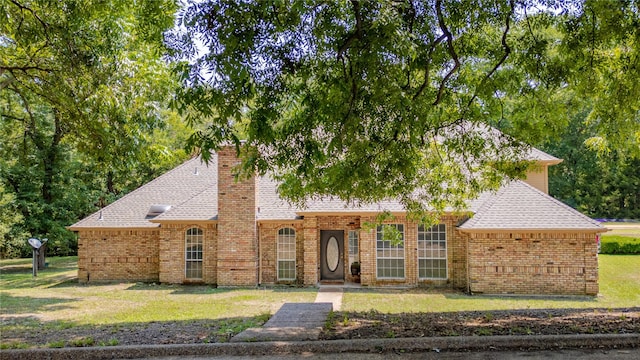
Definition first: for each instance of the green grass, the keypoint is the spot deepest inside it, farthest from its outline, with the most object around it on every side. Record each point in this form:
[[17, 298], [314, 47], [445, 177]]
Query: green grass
[[57, 300], [619, 287]]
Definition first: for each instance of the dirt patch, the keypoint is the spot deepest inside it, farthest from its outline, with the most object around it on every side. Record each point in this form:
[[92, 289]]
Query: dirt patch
[[20, 332], [350, 325]]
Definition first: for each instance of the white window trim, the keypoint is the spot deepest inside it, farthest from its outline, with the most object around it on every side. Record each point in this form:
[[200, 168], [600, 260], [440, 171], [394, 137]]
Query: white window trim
[[295, 264], [353, 256], [404, 255], [200, 237], [446, 253]]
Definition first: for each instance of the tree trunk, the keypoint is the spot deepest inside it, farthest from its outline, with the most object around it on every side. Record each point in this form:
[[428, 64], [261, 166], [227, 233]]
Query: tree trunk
[[49, 160]]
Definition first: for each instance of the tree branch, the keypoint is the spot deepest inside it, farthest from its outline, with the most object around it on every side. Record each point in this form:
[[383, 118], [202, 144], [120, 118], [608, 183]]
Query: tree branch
[[507, 51], [32, 120], [533, 35], [24, 68], [24, 7], [357, 34], [450, 49], [428, 67], [411, 14]]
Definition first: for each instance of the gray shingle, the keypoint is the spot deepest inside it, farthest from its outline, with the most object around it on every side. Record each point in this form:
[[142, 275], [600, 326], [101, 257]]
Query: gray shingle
[[194, 197], [518, 205], [176, 187], [536, 154]]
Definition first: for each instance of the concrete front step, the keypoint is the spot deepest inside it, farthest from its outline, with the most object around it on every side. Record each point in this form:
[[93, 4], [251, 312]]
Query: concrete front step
[[278, 334], [293, 322]]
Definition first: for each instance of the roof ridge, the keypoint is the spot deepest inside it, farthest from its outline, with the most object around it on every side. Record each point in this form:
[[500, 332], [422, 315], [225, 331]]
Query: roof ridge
[[141, 188], [560, 203], [174, 208]]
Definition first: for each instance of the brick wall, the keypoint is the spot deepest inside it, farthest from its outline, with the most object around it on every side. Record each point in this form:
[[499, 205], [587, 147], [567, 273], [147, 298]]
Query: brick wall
[[308, 251], [534, 263], [237, 251], [172, 256], [130, 255], [311, 255], [268, 252], [456, 255]]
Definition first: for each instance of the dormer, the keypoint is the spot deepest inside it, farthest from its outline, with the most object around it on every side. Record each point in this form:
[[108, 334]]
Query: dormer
[[538, 176]]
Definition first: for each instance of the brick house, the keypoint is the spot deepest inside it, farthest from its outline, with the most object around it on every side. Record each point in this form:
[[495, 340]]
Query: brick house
[[195, 224]]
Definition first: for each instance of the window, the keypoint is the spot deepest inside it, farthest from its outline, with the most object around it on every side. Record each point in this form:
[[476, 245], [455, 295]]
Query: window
[[193, 254], [353, 247], [432, 252], [286, 254], [389, 258]]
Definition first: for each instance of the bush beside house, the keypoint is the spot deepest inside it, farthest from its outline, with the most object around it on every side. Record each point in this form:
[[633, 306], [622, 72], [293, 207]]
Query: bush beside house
[[614, 244]]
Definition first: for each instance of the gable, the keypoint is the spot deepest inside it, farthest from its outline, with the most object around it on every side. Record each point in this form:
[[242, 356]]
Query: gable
[[183, 188], [520, 206]]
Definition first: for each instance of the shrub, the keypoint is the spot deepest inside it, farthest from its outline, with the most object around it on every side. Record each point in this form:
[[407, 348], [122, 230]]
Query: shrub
[[613, 244]]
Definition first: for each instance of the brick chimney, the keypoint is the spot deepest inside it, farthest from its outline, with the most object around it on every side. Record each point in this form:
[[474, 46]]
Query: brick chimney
[[237, 240]]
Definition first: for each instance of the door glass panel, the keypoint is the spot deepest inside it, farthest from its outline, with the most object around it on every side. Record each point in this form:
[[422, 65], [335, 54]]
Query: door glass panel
[[333, 254]]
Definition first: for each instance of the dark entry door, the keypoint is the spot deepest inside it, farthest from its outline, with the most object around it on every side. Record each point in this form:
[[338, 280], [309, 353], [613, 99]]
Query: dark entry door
[[331, 255]]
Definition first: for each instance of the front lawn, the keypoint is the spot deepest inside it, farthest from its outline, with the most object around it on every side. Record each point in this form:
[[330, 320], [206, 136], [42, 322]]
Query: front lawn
[[619, 288], [53, 310], [55, 295]]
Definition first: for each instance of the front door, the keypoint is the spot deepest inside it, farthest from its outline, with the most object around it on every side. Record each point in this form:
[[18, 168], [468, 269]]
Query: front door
[[331, 255]]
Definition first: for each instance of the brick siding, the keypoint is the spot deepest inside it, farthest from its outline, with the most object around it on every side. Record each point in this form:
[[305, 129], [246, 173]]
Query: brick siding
[[238, 251], [456, 255], [308, 251], [534, 263], [172, 253], [268, 252], [237, 241], [130, 255]]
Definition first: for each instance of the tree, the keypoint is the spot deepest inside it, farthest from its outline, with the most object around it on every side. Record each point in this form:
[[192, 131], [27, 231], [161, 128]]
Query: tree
[[9, 216], [598, 185], [82, 84], [367, 100]]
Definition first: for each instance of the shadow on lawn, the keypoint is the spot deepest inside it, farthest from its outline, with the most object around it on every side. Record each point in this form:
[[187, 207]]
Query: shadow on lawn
[[453, 295], [183, 289], [28, 304], [21, 276], [177, 289], [558, 298]]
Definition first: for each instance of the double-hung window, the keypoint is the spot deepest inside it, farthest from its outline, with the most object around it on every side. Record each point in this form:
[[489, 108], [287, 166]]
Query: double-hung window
[[354, 254], [432, 252], [389, 257], [286, 244], [193, 253]]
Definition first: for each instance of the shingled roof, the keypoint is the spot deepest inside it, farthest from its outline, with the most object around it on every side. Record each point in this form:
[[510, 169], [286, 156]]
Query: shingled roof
[[520, 206], [191, 192], [190, 189]]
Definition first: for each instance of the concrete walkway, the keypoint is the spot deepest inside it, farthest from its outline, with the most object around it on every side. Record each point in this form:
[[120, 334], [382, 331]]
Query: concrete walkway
[[296, 321], [330, 294]]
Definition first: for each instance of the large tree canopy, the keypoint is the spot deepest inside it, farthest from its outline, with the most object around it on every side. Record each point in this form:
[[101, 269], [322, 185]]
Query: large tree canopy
[[371, 99], [83, 87]]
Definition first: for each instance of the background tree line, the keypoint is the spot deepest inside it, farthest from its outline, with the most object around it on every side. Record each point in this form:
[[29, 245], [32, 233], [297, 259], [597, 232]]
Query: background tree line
[[85, 118], [97, 98]]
